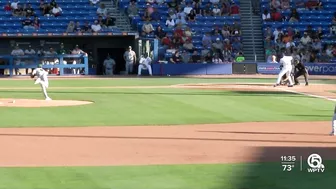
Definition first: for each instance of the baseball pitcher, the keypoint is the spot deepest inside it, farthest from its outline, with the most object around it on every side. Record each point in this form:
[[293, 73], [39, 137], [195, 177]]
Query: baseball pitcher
[[333, 131], [300, 70], [42, 79]]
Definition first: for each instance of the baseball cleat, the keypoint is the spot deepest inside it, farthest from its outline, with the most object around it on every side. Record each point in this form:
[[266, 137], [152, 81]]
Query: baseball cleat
[[275, 85], [37, 81], [332, 134], [290, 85], [306, 84], [48, 98]]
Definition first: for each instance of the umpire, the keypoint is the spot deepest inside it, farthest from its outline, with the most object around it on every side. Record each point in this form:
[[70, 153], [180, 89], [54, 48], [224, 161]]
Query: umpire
[[299, 70]]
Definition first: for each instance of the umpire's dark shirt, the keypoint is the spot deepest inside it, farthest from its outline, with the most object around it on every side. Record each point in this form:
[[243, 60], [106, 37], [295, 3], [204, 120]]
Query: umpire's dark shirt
[[300, 66]]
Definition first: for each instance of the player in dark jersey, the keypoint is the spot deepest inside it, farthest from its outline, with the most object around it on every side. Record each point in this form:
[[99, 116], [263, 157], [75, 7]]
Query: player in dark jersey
[[300, 70]]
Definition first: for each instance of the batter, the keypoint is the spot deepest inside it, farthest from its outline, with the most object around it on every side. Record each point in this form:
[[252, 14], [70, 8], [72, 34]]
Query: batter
[[287, 68], [42, 79], [333, 131]]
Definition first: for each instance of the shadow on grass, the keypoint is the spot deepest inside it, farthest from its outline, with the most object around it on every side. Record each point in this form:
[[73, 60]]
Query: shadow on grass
[[189, 92]]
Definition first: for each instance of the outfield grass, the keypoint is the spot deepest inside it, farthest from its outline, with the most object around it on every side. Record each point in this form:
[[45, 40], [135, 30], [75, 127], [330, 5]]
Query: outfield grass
[[222, 176]]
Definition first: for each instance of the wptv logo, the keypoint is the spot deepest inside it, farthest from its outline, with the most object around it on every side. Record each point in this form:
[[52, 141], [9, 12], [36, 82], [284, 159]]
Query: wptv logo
[[315, 163]]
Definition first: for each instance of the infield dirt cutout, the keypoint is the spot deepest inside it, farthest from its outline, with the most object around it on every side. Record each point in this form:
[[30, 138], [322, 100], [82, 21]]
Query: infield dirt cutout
[[187, 144]]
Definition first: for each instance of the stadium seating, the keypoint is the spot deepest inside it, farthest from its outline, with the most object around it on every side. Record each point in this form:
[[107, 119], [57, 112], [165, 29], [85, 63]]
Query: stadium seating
[[202, 25]]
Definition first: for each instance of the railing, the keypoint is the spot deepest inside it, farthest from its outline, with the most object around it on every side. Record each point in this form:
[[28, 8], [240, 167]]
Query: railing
[[60, 62]]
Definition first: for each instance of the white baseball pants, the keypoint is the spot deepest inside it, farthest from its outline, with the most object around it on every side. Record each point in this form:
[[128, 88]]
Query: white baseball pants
[[334, 124], [129, 67], [287, 71], [144, 67]]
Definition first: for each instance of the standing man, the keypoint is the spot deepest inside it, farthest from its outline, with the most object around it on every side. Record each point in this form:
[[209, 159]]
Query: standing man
[[300, 69], [130, 59], [286, 62], [30, 52], [333, 123], [17, 61], [77, 51], [145, 63], [109, 64]]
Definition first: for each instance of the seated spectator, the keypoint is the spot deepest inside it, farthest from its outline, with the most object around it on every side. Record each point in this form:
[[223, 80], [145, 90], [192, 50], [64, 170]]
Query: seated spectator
[[299, 5], [96, 27], [102, 10], [146, 16], [172, 14], [214, 2], [159, 33], [207, 40], [195, 57], [170, 23], [177, 41], [330, 50], [187, 9], [285, 5], [268, 44], [8, 7], [192, 16], [181, 13], [276, 15], [324, 58], [155, 16], [147, 28], [240, 57], [294, 16], [333, 21], [290, 44], [173, 5], [86, 28], [275, 4], [317, 46], [150, 2], [94, 2], [52, 3], [268, 33], [332, 29], [290, 32], [71, 27], [305, 39], [180, 20], [109, 22], [225, 31], [166, 42], [56, 11], [207, 11], [14, 4], [197, 8], [234, 10], [266, 16], [297, 34], [100, 21], [160, 2], [237, 46], [188, 32], [216, 35], [310, 32], [319, 33], [176, 58], [227, 44], [217, 46], [185, 38], [46, 10], [235, 30], [188, 46], [29, 11], [18, 11], [185, 57], [208, 58], [313, 5], [178, 30], [216, 59], [312, 57], [36, 23], [77, 27], [41, 6], [225, 9], [216, 11], [27, 24]]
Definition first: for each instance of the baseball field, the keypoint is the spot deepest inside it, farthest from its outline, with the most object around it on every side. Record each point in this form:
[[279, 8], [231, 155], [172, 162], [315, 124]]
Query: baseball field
[[166, 133]]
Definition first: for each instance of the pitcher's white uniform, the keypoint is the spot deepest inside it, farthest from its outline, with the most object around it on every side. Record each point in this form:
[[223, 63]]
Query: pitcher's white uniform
[[145, 64], [42, 79], [333, 132], [286, 61], [109, 64]]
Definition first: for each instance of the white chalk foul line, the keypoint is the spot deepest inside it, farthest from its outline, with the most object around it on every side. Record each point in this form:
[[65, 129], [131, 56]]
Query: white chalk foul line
[[307, 94]]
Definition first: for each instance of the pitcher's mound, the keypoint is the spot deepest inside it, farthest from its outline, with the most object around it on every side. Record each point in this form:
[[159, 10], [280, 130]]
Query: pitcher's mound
[[33, 103]]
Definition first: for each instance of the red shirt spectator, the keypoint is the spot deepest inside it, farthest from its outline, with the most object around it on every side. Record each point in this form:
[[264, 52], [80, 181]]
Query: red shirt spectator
[[166, 41], [178, 31], [276, 16], [234, 9], [8, 7]]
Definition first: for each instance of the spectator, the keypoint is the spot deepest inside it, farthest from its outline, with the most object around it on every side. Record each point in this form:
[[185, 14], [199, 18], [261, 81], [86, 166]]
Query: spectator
[[177, 40], [159, 33], [178, 30], [216, 35], [29, 11], [319, 33], [71, 27], [150, 2], [166, 42], [216, 59], [172, 14], [14, 4], [56, 11], [18, 11], [197, 8], [234, 10], [206, 40], [180, 20], [27, 24], [86, 28], [285, 4], [173, 5], [312, 57], [175, 58], [207, 11], [36, 23], [240, 57], [181, 13], [225, 31], [332, 29], [290, 44], [317, 46], [187, 9], [276, 15], [155, 16], [102, 10], [236, 46], [329, 51], [41, 6], [225, 10], [52, 4], [268, 33], [160, 2], [192, 16], [188, 32], [170, 23], [268, 44], [313, 5], [235, 29], [275, 4], [94, 2], [290, 32], [324, 57], [46, 9], [299, 5], [96, 27], [216, 11], [266, 16], [77, 27], [185, 38], [147, 28], [297, 34], [305, 40], [208, 58], [333, 21], [8, 7], [109, 22], [227, 44], [188, 46], [185, 56], [100, 21], [214, 2], [294, 16], [195, 58], [217, 46], [146, 16]]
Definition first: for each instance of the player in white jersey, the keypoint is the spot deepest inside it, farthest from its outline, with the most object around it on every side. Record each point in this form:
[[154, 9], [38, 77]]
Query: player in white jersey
[[42, 79], [333, 124], [287, 68], [145, 63]]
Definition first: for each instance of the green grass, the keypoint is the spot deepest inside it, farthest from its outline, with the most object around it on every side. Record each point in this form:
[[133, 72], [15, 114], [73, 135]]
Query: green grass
[[223, 176]]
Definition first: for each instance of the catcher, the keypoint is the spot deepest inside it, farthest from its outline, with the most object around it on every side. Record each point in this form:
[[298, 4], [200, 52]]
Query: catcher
[[299, 70]]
